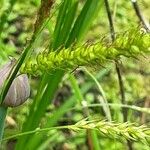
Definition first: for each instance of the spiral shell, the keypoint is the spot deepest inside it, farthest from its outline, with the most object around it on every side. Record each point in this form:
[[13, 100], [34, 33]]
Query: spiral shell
[[19, 91]]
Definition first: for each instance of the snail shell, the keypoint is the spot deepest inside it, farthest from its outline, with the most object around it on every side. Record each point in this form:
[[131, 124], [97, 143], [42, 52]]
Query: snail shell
[[19, 90]]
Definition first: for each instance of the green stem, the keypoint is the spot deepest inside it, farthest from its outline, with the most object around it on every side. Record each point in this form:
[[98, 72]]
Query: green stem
[[93, 142], [3, 112]]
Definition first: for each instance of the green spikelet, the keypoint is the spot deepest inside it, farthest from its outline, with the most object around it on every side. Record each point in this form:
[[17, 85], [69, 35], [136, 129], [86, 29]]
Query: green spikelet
[[128, 44]]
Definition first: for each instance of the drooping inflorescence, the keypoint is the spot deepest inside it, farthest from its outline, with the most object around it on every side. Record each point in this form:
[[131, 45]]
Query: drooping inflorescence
[[129, 44]]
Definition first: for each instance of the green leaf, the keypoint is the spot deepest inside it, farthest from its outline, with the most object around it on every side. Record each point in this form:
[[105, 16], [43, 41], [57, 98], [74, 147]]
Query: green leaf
[[84, 20]]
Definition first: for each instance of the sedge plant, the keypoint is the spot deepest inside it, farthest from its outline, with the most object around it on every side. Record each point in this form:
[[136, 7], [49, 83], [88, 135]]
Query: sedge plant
[[66, 52]]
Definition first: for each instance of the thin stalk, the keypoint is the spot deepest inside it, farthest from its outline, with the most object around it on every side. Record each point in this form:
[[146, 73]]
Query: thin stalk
[[122, 92], [76, 89], [111, 25], [121, 84], [3, 112], [92, 139], [104, 99], [78, 94], [132, 107], [139, 15], [112, 105]]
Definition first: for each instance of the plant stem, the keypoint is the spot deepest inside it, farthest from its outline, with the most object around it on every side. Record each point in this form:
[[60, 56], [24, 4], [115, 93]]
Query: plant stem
[[3, 112], [121, 84], [92, 138], [111, 25], [104, 99], [139, 15], [123, 99]]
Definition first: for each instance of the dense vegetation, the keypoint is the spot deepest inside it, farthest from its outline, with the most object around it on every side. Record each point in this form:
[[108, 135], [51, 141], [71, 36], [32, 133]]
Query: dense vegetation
[[88, 65]]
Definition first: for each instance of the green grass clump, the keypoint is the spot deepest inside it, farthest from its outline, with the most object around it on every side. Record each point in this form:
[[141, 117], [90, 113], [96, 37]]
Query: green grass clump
[[49, 40]]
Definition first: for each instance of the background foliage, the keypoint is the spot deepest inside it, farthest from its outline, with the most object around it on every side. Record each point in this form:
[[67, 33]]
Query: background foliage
[[64, 97]]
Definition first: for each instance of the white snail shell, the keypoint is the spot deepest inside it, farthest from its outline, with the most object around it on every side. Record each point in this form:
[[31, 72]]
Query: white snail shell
[[19, 91]]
